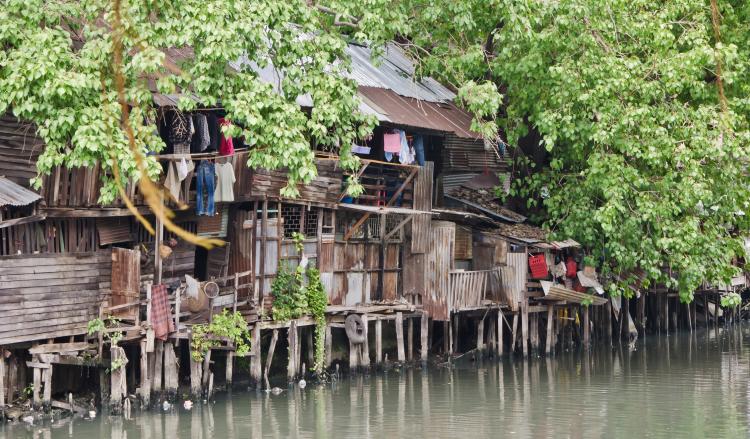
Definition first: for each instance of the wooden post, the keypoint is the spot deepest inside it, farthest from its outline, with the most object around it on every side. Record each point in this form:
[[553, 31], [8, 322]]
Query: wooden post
[[196, 379], [550, 324], [500, 324], [291, 370], [145, 378], [353, 356], [400, 336], [641, 314], [255, 358], [158, 359], [514, 334], [423, 334], [157, 255], [118, 387], [480, 336], [2, 379], [37, 385], [525, 326], [587, 327], [455, 339], [206, 370], [171, 371], [269, 357], [329, 345], [47, 378], [365, 346], [378, 341], [689, 317], [608, 320], [534, 332], [410, 339], [229, 369]]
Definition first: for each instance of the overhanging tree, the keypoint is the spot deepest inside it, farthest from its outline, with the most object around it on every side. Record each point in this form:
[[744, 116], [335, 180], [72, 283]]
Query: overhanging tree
[[83, 72], [641, 105]]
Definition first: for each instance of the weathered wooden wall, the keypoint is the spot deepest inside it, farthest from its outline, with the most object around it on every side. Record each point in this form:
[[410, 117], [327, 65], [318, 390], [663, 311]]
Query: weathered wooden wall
[[54, 235], [19, 149], [438, 267], [323, 189], [46, 296]]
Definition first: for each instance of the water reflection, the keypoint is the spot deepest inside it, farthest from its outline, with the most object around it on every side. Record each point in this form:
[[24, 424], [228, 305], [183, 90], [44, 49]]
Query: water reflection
[[693, 385]]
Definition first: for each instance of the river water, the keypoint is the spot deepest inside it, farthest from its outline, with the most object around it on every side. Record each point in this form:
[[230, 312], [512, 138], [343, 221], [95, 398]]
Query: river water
[[680, 386]]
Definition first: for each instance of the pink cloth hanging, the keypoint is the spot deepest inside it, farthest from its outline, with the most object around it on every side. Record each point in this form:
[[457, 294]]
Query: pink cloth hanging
[[392, 142]]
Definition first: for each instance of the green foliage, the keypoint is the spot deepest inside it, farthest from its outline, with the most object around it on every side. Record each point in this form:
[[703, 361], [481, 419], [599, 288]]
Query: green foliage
[[731, 300], [587, 301], [642, 159], [105, 326], [56, 71], [317, 300], [289, 299], [226, 326]]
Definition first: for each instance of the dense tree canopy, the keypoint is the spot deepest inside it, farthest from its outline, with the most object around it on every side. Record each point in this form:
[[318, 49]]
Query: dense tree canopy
[[646, 161]]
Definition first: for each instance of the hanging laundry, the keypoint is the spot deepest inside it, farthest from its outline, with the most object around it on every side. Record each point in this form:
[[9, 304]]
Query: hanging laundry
[[392, 141], [161, 316], [176, 173], [225, 183], [201, 138], [179, 128], [214, 133], [205, 188], [405, 155], [226, 147], [419, 149]]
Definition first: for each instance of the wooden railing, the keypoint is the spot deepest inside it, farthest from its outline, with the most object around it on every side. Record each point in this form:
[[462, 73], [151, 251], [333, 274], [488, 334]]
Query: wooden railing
[[467, 288]]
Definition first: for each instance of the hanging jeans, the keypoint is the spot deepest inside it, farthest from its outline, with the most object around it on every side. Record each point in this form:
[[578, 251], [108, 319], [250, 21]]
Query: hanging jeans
[[419, 149], [205, 185]]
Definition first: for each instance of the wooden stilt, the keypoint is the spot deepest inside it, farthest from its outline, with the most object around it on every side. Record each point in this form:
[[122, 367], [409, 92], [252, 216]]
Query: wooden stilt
[[329, 346], [256, 365], [689, 317], [364, 348], [586, 328], [378, 341], [206, 369], [196, 378], [705, 310], [491, 334], [456, 325], [534, 332], [608, 320], [353, 356], [47, 379], [423, 334], [37, 400], [400, 336], [410, 339], [269, 357], [500, 324], [525, 326], [171, 370], [229, 372], [119, 385], [145, 386], [641, 314], [449, 328], [158, 362], [480, 336], [103, 386], [292, 339], [2, 379], [514, 335], [550, 325], [12, 379]]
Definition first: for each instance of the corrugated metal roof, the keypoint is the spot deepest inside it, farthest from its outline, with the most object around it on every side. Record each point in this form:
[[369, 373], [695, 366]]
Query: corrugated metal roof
[[411, 112], [394, 71], [14, 194]]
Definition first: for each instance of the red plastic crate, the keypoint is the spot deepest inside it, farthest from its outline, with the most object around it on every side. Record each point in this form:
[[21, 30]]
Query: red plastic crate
[[538, 266]]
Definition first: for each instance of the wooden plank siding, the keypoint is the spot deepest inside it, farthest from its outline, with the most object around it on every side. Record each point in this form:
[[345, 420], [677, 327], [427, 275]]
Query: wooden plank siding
[[47, 296], [420, 226], [19, 149], [438, 267]]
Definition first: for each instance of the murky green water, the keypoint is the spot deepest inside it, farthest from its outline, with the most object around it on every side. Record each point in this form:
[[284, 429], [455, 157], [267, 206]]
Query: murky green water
[[678, 386]]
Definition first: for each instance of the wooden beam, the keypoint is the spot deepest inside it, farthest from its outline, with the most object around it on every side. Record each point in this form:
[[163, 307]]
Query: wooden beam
[[269, 357], [423, 335], [400, 337], [60, 347], [24, 220], [398, 227], [390, 202], [378, 341], [359, 174]]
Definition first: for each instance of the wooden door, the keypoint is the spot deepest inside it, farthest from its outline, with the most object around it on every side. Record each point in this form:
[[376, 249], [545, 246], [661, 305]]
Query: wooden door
[[126, 280]]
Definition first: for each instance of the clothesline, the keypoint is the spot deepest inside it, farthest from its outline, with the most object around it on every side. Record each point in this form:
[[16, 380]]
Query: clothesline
[[210, 156]]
